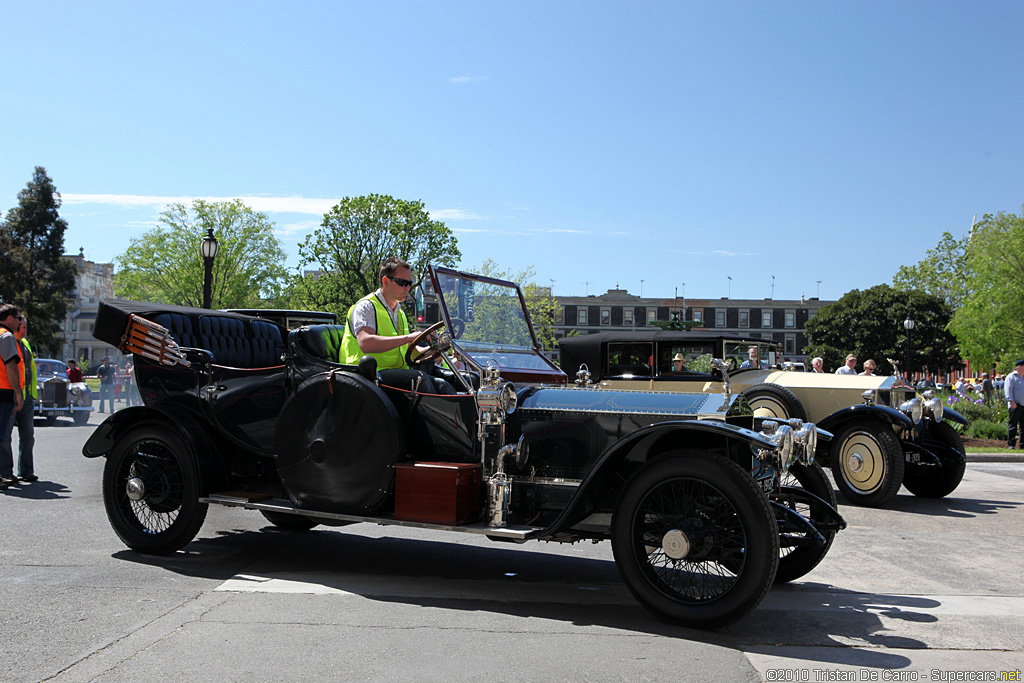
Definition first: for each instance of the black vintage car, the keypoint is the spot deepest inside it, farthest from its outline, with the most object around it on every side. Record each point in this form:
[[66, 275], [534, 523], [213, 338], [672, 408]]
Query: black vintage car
[[704, 513]]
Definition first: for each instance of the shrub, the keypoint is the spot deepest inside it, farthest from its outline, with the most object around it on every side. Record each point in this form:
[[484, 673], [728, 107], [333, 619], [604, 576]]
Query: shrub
[[986, 429]]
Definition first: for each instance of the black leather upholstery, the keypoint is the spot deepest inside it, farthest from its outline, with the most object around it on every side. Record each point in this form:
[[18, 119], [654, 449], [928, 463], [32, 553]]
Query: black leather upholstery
[[320, 341], [233, 341]]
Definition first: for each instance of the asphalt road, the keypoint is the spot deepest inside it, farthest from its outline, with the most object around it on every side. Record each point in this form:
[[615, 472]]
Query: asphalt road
[[907, 593]]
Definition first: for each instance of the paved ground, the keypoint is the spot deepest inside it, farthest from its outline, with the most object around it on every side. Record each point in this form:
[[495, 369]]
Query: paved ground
[[922, 587]]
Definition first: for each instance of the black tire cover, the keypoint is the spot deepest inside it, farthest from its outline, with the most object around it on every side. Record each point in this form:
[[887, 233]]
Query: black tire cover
[[337, 441]]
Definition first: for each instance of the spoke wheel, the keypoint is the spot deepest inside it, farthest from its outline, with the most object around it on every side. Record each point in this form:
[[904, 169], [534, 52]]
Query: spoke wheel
[[695, 540], [151, 489], [798, 551], [867, 463], [938, 480]]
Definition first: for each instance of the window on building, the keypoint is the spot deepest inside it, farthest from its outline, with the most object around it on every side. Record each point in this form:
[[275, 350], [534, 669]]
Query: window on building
[[627, 315], [790, 318], [766, 319], [581, 316], [559, 314], [652, 315], [790, 344], [698, 316], [719, 318], [744, 318], [606, 316]]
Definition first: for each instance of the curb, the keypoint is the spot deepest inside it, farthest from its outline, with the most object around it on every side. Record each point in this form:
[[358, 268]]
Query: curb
[[995, 457]]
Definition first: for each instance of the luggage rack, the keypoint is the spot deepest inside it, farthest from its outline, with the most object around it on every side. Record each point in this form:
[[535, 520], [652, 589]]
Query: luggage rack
[[256, 501]]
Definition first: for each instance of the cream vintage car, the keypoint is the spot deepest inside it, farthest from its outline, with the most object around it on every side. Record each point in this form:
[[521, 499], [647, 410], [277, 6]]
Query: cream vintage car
[[884, 435]]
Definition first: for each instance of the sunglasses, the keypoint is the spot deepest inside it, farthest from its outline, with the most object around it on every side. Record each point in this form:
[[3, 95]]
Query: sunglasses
[[401, 282]]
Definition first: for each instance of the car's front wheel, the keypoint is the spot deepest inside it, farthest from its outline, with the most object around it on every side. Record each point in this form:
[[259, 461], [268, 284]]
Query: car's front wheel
[[800, 550], [695, 540], [81, 417], [867, 462], [151, 489], [931, 480]]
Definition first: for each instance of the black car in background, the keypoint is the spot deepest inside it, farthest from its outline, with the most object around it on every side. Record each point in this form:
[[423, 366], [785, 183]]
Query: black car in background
[[704, 512]]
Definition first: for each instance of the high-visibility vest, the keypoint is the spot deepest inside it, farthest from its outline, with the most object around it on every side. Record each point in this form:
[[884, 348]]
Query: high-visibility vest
[[5, 383], [30, 371], [395, 358]]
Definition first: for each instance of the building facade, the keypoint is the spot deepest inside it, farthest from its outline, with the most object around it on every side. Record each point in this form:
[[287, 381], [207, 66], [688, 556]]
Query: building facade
[[93, 282], [778, 320]]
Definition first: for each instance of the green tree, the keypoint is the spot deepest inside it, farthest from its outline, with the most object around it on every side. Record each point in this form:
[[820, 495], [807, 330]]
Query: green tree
[[356, 235], [990, 323], [34, 275], [869, 323], [944, 272], [539, 303], [164, 265]]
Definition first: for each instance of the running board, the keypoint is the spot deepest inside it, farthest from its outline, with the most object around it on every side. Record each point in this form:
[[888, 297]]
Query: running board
[[258, 502]]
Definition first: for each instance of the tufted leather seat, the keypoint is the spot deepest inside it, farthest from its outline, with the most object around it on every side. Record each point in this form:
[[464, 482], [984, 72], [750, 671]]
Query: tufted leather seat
[[320, 341], [234, 342]]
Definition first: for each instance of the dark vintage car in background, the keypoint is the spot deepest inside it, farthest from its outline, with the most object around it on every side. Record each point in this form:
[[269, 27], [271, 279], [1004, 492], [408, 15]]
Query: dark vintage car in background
[[884, 435], [704, 512], [59, 397]]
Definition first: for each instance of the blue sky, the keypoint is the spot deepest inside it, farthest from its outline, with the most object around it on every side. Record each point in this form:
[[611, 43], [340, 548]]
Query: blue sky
[[602, 143]]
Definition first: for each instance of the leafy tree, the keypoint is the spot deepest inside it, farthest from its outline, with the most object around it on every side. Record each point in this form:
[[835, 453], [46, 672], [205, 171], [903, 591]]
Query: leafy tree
[[539, 302], [869, 323], [944, 272], [355, 236], [164, 265], [990, 324], [33, 274]]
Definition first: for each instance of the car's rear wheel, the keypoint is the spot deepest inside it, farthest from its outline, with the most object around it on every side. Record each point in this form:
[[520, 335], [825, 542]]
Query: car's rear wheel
[[773, 400], [867, 463], [151, 489], [799, 551], [695, 540], [288, 522], [936, 480]]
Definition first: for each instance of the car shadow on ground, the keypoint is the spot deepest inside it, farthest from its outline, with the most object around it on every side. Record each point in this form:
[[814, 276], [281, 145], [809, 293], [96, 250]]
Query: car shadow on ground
[[942, 507], [519, 582]]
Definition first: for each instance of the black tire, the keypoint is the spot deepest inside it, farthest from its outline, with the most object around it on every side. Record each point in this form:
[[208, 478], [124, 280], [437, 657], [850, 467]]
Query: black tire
[[937, 481], [711, 513], [867, 462], [288, 522], [50, 420], [798, 554], [80, 418], [773, 400], [162, 513]]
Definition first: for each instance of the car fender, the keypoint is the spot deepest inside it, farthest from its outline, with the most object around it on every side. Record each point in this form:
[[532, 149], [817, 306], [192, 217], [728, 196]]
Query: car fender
[[606, 473], [193, 430], [953, 416], [833, 423]]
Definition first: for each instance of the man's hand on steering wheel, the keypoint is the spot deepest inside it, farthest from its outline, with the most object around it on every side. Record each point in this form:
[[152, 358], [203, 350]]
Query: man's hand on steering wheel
[[428, 344]]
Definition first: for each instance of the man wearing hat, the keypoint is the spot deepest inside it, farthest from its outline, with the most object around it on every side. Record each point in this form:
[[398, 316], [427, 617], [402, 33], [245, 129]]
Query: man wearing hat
[[850, 368], [1014, 390], [677, 362]]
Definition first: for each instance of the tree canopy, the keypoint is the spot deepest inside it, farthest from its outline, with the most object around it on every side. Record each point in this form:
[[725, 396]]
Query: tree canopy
[[944, 272], [355, 236], [990, 323], [164, 265], [869, 323], [539, 303], [33, 274]]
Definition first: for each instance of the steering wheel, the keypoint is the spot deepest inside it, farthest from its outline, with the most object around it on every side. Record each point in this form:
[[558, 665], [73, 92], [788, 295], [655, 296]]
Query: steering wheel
[[441, 343]]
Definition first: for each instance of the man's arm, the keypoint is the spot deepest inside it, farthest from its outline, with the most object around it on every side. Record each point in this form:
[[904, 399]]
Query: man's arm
[[371, 342], [12, 377]]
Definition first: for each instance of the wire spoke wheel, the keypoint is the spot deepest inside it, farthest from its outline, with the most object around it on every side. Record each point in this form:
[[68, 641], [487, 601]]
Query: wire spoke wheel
[[151, 490], [695, 540], [799, 552]]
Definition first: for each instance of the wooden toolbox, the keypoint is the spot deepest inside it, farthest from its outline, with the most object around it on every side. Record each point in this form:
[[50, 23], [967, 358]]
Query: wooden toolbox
[[438, 492]]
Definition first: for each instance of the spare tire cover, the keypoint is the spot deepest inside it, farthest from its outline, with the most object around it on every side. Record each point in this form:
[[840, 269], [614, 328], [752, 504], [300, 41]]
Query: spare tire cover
[[337, 441]]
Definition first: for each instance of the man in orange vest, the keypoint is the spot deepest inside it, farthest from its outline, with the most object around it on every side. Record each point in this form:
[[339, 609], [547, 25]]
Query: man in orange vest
[[11, 383]]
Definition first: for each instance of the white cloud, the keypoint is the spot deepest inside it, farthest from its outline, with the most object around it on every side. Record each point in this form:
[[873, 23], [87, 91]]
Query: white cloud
[[469, 78], [455, 215]]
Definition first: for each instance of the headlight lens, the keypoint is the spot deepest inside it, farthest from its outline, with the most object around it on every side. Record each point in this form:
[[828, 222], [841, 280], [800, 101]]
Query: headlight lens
[[933, 409], [913, 409], [782, 437], [77, 391]]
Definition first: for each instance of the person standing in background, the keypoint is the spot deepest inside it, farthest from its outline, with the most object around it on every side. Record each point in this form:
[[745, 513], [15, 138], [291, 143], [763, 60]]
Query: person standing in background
[[24, 418], [11, 396], [106, 374]]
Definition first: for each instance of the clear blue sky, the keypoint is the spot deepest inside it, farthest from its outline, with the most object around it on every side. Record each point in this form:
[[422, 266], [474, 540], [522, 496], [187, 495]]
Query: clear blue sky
[[602, 143]]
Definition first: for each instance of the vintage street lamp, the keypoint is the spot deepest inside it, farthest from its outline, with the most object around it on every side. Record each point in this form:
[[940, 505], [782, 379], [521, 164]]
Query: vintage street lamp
[[908, 325], [208, 248]]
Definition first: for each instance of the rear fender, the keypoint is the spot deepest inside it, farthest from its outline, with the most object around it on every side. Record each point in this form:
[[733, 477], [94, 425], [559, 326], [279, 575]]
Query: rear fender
[[621, 459], [196, 433]]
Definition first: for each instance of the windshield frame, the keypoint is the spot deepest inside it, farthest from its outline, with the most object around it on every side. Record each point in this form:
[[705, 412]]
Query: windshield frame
[[545, 371]]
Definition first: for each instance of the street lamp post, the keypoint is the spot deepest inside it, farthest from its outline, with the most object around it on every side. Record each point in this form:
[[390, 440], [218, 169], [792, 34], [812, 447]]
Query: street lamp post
[[908, 325], [208, 248]]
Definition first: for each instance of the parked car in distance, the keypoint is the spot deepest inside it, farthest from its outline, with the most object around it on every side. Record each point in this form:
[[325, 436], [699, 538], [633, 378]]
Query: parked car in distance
[[59, 397], [704, 512], [884, 435]]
